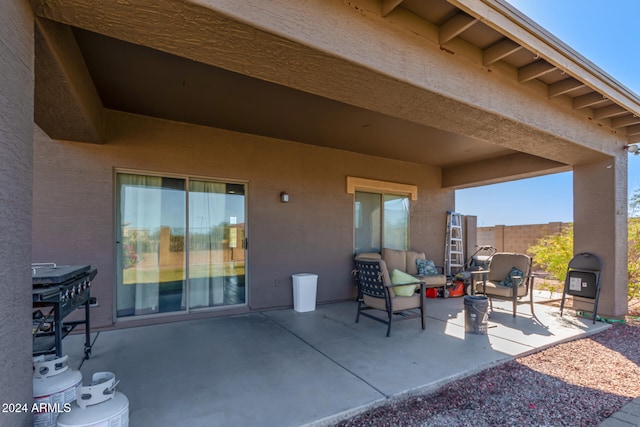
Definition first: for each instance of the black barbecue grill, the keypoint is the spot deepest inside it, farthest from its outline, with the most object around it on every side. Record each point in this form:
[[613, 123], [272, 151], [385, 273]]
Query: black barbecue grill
[[64, 289]]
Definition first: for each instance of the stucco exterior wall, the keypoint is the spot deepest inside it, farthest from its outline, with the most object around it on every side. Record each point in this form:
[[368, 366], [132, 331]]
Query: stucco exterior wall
[[16, 130], [74, 202]]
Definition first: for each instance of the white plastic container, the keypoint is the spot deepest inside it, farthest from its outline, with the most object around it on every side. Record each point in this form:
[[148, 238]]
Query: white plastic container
[[305, 287], [54, 388], [98, 405]]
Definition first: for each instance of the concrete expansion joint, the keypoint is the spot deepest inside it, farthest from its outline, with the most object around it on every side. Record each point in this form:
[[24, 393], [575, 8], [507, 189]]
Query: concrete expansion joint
[[627, 416]]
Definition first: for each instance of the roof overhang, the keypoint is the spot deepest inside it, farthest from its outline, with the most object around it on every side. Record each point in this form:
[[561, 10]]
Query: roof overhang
[[356, 76]]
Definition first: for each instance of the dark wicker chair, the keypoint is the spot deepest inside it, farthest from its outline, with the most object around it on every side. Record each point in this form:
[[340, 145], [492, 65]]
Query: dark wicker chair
[[375, 291]]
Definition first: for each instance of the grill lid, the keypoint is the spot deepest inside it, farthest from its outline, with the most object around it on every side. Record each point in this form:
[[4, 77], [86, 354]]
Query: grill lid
[[51, 274]]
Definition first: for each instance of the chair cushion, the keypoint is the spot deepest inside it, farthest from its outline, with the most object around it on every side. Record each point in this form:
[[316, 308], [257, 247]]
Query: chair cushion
[[397, 303], [399, 278], [433, 281], [378, 303], [502, 263], [426, 267], [494, 288], [395, 259], [508, 281], [412, 258], [405, 303]]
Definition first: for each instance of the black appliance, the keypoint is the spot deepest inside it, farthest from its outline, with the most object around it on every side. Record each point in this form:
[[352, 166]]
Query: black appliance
[[63, 289]]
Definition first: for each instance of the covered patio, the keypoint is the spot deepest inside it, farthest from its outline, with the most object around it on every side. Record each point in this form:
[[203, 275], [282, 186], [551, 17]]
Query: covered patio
[[417, 98], [287, 368]]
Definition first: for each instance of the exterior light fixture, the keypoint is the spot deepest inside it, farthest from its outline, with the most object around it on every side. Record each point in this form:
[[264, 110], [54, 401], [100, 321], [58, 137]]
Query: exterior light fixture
[[633, 149], [284, 197]]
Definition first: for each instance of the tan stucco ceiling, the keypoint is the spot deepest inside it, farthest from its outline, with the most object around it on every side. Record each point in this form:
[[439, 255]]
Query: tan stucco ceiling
[[141, 80], [131, 66]]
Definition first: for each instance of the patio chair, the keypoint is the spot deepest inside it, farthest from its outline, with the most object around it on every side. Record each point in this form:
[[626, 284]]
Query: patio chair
[[375, 291], [508, 278]]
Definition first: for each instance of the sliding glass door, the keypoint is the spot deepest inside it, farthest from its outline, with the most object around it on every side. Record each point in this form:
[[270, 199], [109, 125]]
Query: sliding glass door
[[216, 244], [180, 244]]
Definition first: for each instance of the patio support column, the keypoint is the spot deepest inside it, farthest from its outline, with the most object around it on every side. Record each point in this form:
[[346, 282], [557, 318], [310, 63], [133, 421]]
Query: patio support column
[[16, 164], [470, 235], [600, 226]]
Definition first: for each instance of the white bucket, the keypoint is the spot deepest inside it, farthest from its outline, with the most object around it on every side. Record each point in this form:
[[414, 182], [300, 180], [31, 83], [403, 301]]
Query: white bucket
[[98, 405], [54, 388]]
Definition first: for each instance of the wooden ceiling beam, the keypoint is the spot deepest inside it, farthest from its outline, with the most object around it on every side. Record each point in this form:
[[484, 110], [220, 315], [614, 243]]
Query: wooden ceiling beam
[[455, 26], [563, 87], [534, 70], [388, 6], [589, 100], [608, 112], [623, 121], [633, 130], [634, 139], [499, 51]]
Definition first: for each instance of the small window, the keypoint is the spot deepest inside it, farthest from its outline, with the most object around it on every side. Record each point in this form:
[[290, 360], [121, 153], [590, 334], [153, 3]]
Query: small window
[[381, 213], [380, 221]]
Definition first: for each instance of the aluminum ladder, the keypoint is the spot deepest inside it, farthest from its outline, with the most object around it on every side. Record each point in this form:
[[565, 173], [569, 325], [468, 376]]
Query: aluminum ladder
[[454, 248]]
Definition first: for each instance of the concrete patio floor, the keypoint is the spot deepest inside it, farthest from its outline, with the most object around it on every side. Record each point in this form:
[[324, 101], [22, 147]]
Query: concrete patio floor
[[284, 368]]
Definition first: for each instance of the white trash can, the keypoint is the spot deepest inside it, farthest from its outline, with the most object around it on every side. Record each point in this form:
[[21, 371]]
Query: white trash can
[[305, 286]]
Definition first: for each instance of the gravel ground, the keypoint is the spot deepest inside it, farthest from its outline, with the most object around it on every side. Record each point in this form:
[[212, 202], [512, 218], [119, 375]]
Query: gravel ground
[[579, 383]]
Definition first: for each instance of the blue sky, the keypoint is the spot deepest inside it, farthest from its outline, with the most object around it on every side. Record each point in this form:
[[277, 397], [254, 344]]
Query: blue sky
[[603, 31]]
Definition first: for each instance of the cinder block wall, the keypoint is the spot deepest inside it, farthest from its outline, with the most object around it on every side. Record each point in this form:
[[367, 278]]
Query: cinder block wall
[[516, 238]]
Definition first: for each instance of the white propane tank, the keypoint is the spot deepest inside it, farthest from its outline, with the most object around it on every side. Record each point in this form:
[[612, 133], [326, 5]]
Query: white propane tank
[[54, 388], [98, 405]]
